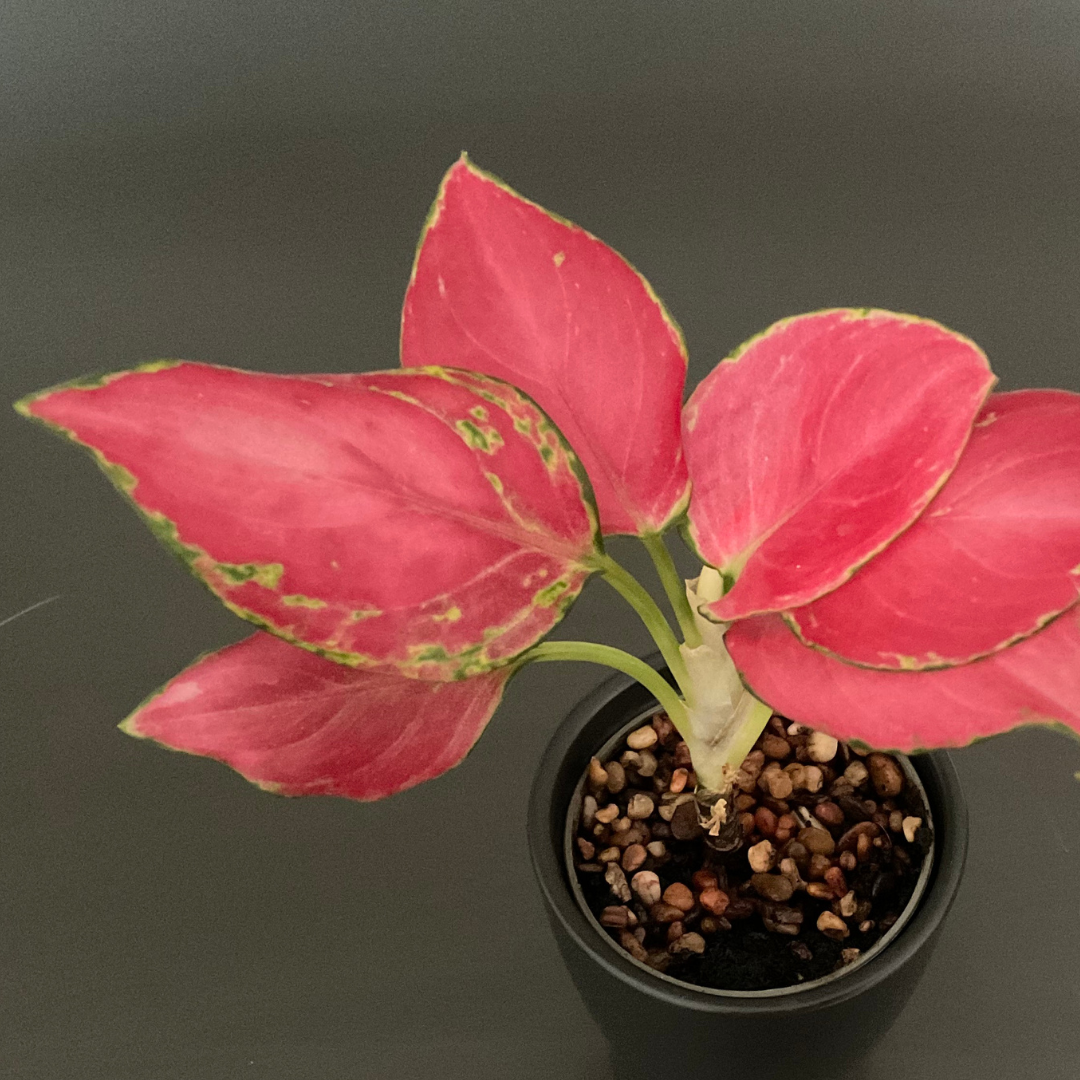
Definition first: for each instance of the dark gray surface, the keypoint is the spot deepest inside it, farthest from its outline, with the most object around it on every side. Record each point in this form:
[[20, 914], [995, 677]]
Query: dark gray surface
[[244, 184]]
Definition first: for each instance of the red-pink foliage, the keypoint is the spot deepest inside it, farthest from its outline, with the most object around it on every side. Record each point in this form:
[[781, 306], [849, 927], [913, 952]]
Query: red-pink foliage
[[297, 724], [502, 286], [434, 523]]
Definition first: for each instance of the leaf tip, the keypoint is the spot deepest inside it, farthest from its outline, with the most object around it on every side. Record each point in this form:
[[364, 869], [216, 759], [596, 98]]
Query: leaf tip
[[130, 725]]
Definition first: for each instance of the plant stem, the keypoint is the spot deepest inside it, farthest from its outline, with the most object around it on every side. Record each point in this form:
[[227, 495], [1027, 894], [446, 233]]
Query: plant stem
[[593, 653], [673, 586], [639, 599], [750, 727]]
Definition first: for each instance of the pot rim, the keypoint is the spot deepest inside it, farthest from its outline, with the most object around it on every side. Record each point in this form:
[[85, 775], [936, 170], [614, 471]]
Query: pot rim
[[546, 831]]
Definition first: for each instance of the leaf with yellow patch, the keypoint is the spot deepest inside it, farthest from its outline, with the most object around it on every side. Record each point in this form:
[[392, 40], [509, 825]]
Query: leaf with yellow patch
[[347, 513], [296, 724]]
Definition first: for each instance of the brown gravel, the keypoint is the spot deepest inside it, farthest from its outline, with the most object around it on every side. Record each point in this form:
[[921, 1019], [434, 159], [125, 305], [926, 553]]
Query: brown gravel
[[833, 842]]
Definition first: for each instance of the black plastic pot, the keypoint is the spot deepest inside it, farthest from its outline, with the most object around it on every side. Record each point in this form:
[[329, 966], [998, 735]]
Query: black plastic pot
[[659, 1027]]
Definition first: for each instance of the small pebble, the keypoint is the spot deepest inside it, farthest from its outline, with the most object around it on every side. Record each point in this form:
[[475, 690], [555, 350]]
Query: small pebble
[[684, 822], [753, 763], [630, 760], [775, 747], [665, 913], [780, 785], [656, 849], [813, 778], [821, 747], [633, 857], [608, 814], [678, 780], [611, 854], [847, 861], [886, 775], [850, 839], [832, 926], [800, 949], [779, 918], [633, 946], [616, 779], [664, 728], [829, 813], [761, 857], [681, 756], [765, 821], [834, 878], [797, 772], [856, 773], [849, 956], [896, 821], [795, 729], [817, 841], [794, 850], [911, 827], [588, 812], [658, 959], [643, 738], [774, 887], [790, 869], [675, 931], [715, 900], [616, 880], [689, 943], [638, 833], [848, 903], [587, 849], [620, 824], [704, 879], [617, 916], [647, 886], [819, 890], [640, 806], [842, 789], [866, 926], [678, 895], [647, 766], [598, 776]]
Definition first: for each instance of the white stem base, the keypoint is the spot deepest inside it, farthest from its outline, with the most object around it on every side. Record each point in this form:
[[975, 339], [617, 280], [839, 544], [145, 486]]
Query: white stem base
[[725, 719]]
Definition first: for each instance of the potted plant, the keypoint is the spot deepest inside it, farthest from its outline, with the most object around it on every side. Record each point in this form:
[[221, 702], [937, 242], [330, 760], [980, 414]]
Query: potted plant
[[890, 550]]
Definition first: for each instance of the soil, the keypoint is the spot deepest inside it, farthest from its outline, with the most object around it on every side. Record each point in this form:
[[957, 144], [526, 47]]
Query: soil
[[832, 840]]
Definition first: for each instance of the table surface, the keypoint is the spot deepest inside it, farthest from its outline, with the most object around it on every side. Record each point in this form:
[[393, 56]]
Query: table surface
[[249, 192]]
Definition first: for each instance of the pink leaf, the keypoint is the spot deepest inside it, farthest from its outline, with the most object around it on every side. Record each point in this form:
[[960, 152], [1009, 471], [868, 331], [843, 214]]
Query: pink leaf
[[818, 442], [502, 286], [1036, 681], [430, 520], [994, 557], [296, 724]]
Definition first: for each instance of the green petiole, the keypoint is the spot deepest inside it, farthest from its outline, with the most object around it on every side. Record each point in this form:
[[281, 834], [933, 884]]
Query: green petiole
[[673, 586], [593, 653], [639, 599]]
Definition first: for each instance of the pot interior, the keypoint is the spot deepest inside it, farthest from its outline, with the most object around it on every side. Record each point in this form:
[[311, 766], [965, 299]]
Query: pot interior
[[573, 816]]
